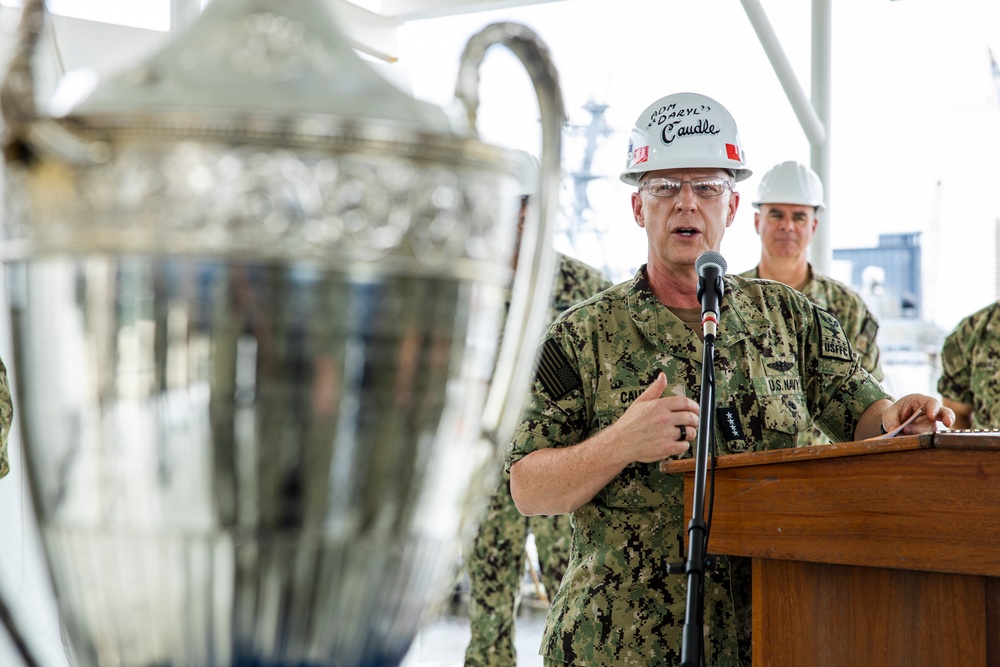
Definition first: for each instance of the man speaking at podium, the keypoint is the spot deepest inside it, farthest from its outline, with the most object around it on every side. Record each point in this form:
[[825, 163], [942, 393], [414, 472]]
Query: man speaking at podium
[[618, 388]]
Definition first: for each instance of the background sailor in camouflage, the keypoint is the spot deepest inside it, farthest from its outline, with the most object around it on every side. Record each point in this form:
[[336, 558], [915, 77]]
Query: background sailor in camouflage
[[970, 370], [6, 417], [789, 198], [619, 374], [495, 561]]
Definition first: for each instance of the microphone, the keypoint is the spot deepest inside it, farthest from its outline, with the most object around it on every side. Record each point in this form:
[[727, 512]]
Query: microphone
[[710, 267]]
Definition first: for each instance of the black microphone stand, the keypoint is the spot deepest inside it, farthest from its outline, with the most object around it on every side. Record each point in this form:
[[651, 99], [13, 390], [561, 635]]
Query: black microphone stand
[[697, 563]]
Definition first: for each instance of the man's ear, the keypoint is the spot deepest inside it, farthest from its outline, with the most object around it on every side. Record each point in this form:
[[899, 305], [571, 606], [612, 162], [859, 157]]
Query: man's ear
[[637, 211], [734, 203]]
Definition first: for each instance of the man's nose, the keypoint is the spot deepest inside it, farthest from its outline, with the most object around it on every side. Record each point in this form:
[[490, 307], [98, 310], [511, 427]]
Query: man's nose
[[686, 197]]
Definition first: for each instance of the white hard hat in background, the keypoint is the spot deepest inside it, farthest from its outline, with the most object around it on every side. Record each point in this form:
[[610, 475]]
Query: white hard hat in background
[[684, 131], [790, 183]]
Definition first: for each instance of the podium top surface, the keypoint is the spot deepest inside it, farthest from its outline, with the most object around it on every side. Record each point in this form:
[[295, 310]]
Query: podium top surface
[[988, 440]]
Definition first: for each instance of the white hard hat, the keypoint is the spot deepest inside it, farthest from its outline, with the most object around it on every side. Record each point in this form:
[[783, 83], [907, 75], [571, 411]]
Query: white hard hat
[[684, 131], [529, 173], [790, 183]]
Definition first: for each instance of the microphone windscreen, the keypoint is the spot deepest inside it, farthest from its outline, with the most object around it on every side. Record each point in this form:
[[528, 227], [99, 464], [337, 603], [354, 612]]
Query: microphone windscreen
[[710, 257]]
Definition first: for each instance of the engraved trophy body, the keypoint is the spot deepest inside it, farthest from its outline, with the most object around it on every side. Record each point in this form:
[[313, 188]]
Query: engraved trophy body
[[256, 294]]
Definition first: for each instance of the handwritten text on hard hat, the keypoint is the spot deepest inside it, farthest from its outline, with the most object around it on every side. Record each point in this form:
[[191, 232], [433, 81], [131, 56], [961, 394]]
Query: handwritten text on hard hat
[[673, 126]]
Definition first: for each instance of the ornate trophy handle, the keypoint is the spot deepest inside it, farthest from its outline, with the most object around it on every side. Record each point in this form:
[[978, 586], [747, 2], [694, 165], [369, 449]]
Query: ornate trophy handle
[[532, 280], [17, 100]]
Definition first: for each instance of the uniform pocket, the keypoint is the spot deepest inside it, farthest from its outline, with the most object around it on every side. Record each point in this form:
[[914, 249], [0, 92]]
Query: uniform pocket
[[783, 418]]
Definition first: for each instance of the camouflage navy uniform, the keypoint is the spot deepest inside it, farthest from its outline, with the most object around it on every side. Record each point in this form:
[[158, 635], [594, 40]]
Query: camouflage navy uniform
[[6, 416], [970, 366], [781, 363], [495, 563], [859, 324]]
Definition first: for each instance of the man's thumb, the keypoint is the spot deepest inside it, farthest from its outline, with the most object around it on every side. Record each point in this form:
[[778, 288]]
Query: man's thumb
[[655, 390]]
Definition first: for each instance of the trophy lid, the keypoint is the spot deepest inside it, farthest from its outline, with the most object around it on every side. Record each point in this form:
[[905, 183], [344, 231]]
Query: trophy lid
[[258, 60]]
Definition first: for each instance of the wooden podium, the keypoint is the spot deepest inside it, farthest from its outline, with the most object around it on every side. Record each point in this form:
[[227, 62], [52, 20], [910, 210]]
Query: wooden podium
[[881, 552]]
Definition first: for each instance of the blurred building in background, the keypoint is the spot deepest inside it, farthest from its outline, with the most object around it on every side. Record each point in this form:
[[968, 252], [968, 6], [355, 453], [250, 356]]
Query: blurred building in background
[[888, 275], [889, 278]]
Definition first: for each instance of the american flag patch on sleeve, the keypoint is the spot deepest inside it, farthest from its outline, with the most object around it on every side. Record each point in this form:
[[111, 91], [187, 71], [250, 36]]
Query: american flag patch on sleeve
[[869, 329], [557, 376]]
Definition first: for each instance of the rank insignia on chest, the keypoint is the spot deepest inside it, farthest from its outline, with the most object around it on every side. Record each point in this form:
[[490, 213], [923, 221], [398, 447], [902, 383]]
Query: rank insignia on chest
[[728, 421]]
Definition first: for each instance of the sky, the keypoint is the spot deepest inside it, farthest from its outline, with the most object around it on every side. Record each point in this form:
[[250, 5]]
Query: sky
[[914, 104]]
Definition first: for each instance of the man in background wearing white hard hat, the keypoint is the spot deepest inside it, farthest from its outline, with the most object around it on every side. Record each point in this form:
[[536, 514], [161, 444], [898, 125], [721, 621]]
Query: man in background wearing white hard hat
[[617, 391], [789, 198], [495, 561]]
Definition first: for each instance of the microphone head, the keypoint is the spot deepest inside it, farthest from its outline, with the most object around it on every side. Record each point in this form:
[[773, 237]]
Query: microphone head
[[710, 258]]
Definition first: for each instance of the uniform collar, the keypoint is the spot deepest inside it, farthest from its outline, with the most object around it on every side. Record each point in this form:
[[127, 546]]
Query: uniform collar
[[755, 273], [738, 316]]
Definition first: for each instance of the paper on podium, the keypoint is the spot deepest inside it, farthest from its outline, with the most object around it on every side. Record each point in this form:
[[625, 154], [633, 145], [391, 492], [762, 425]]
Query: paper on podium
[[899, 429]]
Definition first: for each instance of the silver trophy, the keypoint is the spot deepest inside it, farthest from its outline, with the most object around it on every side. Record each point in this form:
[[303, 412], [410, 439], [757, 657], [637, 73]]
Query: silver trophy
[[257, 293]]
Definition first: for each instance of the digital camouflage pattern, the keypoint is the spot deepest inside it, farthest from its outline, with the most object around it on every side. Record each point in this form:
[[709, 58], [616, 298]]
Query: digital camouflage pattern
[[6, 417], [781, 363], [858, 322], [970, 366], [495, 562]]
